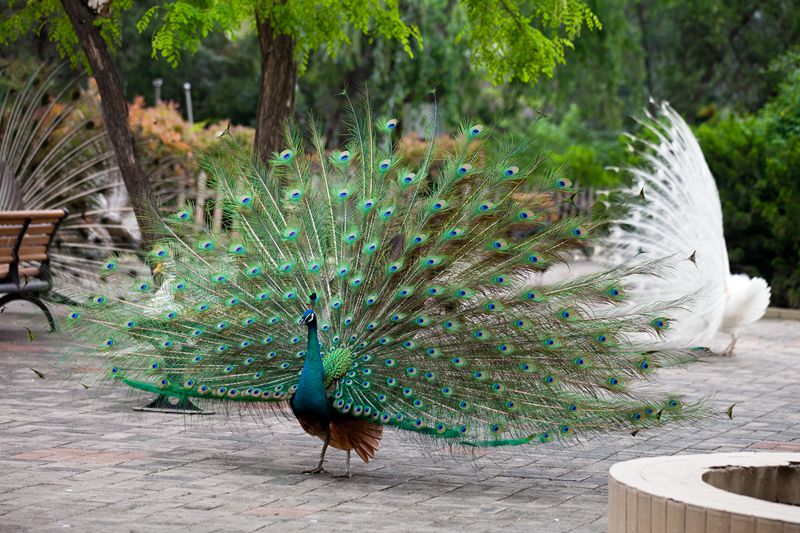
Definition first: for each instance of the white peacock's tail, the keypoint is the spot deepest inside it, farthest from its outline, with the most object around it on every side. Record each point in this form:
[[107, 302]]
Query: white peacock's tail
[[681, 216]]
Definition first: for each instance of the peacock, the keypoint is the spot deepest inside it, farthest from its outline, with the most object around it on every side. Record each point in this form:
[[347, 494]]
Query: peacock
[[363, 292], [681, 214]]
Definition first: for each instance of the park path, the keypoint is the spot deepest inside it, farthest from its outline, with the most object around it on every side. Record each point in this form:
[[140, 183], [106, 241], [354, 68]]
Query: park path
[[80, 459]]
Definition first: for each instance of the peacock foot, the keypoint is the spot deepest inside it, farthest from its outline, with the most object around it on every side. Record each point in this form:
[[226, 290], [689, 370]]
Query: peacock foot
[[727, 352], [315, 470], [347, 473]]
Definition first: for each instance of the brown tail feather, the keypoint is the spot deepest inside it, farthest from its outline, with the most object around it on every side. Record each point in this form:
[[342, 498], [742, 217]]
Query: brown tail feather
[[359, 435]]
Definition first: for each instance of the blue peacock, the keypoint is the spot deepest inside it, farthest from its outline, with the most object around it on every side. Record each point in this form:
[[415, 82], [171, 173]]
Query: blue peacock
[[364, 292]]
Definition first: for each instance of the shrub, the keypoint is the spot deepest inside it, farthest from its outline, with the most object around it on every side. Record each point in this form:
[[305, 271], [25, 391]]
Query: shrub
[[756, 162]]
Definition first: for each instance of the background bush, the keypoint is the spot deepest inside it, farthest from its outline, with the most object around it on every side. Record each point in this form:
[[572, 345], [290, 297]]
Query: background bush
[[756, 162]]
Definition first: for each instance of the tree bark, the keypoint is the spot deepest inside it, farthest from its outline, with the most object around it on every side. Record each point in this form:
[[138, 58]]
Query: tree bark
[[115, 116], [276, 89]]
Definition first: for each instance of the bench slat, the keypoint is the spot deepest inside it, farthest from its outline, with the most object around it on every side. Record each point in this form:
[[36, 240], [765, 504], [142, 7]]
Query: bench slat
[[17, 251], [31, 271], [10, 231], [23, 250], [26, 251], [13, 231], [6, 259], [40, 227], [20, 220], [28, 240], [32, 240], [17, 217]]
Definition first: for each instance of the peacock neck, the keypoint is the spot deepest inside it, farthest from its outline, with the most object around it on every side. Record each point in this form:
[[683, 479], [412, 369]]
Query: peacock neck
[[313, 356], [310, 397]]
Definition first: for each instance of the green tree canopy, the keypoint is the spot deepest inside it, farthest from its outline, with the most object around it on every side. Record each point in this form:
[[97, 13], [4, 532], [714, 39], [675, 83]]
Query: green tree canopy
[[23, 17], [754, 160], [509, 39], [182, 25]]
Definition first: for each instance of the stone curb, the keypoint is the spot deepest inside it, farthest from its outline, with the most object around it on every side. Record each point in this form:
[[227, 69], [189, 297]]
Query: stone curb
[[782, 313]]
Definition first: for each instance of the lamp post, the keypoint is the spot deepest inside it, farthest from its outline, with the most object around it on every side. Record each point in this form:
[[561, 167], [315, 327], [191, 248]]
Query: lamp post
[[157, 83], [187, 91]]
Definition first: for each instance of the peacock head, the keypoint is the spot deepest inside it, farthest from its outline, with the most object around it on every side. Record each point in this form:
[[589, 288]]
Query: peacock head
[[310, 317]]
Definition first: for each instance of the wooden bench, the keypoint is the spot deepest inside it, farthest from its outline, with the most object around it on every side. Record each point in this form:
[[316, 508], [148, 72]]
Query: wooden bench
[[25, 238]]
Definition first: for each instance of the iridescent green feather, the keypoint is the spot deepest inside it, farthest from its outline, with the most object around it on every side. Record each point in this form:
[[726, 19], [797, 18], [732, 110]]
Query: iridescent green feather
[[427, 304]]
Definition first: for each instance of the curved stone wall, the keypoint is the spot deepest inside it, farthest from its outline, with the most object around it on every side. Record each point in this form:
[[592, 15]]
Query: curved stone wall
[[698, 494]]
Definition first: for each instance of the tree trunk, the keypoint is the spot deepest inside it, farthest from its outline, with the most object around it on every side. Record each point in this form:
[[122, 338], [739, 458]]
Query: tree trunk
[[115, 116], [276, 89]]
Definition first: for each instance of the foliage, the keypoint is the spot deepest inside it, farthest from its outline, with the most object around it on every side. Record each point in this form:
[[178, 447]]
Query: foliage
[[163, 132], [523, 39], [400, 87], [605, 74], [167, 144], [700, 55], [37, 16], [717, 52], [183, 24], [580, 153], [508, 38], [403, 87], [223, 74], [755, 160]]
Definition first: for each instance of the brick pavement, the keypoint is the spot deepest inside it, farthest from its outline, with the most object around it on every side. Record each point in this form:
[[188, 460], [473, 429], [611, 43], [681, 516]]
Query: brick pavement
[[81, 459]]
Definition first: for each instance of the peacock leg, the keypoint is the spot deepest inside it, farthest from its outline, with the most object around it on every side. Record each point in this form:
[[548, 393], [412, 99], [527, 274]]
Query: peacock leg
[[347, 473], [729, 350], [317, 469]]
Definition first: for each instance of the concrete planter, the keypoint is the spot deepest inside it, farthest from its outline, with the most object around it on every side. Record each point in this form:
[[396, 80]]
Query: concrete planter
[[719, 493]]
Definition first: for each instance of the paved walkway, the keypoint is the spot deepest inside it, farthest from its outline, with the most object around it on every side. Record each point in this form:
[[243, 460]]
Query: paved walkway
[[81, 459]]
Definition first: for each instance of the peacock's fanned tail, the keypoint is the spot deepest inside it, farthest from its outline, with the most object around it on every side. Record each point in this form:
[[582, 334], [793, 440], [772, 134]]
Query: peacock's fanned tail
[[429, 313]]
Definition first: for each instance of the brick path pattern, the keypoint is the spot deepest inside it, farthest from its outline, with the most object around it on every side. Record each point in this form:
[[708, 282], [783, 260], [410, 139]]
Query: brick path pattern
[[80, 459]]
